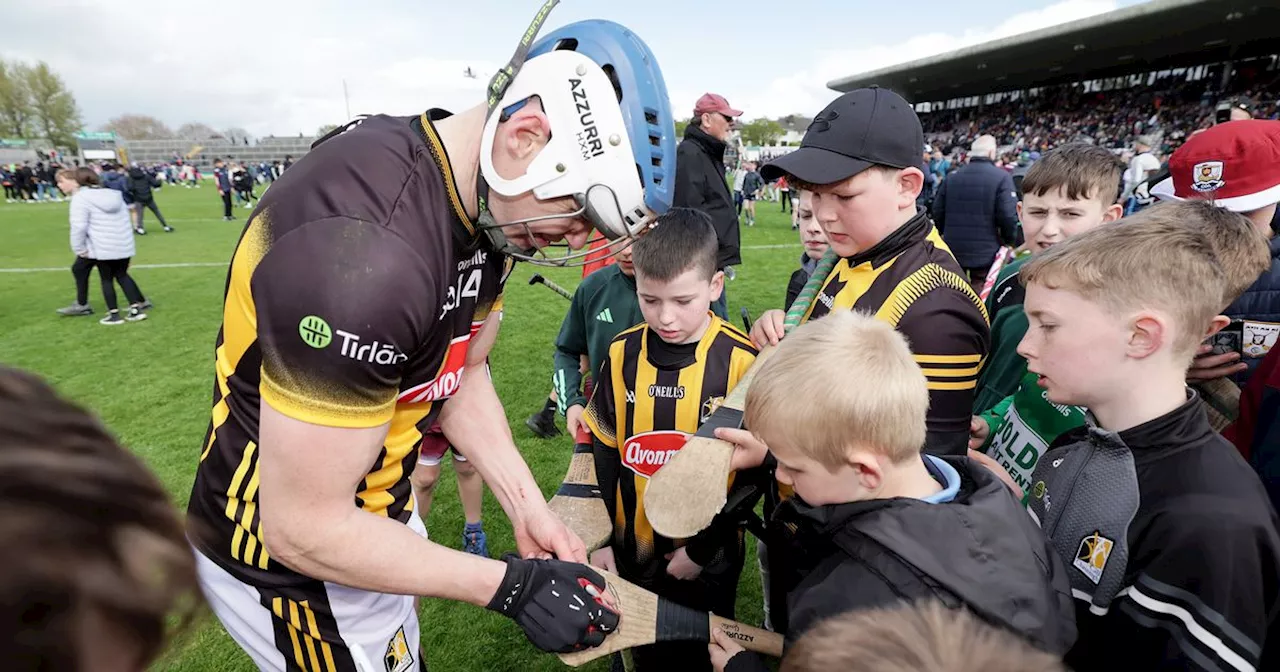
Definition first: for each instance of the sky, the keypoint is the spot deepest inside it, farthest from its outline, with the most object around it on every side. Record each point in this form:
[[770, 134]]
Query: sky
[[278, 66]]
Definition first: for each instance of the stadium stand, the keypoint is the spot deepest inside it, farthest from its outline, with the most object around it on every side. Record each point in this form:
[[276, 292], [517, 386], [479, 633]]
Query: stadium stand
[[203, 152]]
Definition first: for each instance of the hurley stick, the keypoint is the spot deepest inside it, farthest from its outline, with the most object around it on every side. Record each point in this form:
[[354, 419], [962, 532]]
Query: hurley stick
[[648, 618], [578, 501], [689, 490], [537, 278]]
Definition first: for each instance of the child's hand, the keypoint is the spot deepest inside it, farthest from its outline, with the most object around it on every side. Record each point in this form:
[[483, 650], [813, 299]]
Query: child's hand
[[978, 432], [748, 451], [603, 558], [681, 567], [722, 648], [768, 329], [1210, 367], [573, 419]]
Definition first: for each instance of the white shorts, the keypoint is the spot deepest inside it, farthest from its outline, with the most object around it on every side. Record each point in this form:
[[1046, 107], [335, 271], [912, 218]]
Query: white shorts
[[319, 627]]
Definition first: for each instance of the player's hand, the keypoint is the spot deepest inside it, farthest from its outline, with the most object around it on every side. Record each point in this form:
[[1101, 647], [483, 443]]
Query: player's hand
[[603, 558], [541, 534], [768, 329], [979, 430], [557, 604], [748, 451], [681, 567], [1209, 367], [722, 648], [573, 419], [995, 468]]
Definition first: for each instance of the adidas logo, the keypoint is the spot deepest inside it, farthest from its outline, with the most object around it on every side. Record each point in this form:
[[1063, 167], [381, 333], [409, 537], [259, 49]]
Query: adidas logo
[[605, 316]]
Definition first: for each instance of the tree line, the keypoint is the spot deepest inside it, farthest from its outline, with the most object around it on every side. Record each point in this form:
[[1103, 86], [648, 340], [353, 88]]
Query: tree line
[[34, 102]]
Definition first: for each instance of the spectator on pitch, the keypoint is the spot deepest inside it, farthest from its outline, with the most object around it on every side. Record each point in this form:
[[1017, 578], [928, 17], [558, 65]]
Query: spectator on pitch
[[784, 192], [100, 237], [114, 572], [1025, 159], [738, 175], [680, 340], [812, 237], [976, 210], [939, 165], [874, 520], [26, 183], [243, 182], [925, 200], [470, 488], [700, 182], [140, 188], [861, 159], [922, 635], [1256, 432], [1143, 165], [752, 185], [1236, 166], [1072, 189], [223, 181], [1171, 541], [288, 161], [7, 180]]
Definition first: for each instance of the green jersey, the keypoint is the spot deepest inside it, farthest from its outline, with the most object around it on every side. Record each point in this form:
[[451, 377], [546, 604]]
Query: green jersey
[[1024, 425], [603, 306], [1004, 367]]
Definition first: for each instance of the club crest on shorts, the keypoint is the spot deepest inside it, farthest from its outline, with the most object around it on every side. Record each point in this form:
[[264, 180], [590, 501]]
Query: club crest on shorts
[[1091, 556], [645, 453], [398, 657], [1207, 176]]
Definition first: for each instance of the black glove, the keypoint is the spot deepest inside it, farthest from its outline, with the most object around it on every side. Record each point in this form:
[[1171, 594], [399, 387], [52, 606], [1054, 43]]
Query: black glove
[[550, 601]]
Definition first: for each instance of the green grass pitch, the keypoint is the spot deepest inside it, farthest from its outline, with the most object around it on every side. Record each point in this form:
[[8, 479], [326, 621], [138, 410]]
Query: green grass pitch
[[150, 382]]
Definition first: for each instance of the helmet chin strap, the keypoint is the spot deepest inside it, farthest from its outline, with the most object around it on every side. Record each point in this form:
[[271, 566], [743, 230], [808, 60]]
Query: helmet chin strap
[[492, 236]]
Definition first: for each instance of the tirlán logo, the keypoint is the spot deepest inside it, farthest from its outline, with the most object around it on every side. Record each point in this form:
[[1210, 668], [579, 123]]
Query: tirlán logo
[[645, 453], [589, 137]]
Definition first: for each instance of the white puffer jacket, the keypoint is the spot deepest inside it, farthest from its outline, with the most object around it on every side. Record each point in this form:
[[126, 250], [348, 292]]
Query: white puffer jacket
[[100, 227]]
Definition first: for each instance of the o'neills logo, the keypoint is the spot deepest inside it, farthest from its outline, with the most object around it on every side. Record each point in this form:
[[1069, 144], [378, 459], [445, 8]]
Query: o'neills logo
[[646, 453], [666, 391]]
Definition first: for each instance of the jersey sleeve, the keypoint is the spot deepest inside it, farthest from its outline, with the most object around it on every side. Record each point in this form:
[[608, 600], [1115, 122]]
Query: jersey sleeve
[[571, 344], [948, 335], [340, 305], [601, 412], [1201, 599]]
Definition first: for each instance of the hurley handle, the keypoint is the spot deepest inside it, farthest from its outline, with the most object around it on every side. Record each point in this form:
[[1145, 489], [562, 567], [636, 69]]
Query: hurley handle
[[810, 290]]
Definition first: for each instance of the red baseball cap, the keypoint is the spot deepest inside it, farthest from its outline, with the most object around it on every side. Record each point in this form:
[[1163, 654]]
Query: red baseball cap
[[711, 102], [1236, 164]]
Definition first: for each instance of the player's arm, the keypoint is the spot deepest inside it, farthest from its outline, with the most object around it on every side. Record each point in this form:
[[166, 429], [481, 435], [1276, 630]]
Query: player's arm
[[476, 425], [948, 336]]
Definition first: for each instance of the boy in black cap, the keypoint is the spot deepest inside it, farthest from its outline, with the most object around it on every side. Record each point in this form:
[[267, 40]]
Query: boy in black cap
[[861, 159]]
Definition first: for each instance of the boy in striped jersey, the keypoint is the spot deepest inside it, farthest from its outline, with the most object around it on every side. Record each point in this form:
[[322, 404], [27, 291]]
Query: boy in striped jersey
[[659, 381]]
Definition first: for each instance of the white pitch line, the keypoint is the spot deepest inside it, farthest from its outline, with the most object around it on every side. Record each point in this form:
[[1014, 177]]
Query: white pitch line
[[210, 264], [196, 264]]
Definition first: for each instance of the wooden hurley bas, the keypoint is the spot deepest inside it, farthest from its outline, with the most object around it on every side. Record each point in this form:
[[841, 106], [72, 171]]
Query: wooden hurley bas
[[578, 502], [689, 490], [647, 619]]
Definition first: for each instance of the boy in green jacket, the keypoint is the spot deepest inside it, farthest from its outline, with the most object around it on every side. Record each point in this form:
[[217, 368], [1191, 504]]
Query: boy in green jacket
[[1070, 190]]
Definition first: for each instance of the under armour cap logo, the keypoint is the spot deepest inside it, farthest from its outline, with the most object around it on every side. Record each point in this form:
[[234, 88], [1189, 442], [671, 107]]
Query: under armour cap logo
[[823, 121]]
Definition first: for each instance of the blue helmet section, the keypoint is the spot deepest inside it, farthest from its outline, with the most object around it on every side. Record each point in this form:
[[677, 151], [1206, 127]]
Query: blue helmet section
[[646, 108]]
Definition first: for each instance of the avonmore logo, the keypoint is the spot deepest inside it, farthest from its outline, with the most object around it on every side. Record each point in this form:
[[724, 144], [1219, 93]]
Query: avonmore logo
[[645, 453]]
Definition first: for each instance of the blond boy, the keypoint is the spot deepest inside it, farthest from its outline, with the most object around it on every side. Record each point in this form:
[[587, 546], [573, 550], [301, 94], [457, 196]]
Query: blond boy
[[1171, 546]]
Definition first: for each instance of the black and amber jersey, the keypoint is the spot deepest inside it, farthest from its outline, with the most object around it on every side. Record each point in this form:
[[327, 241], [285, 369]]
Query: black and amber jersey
[[911, 281], [349, 303], [649, 398]]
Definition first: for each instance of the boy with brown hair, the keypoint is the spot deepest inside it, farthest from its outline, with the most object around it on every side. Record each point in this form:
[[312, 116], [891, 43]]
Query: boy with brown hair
[[658, 383], [913, 637], [1171, 545], [875, 521]]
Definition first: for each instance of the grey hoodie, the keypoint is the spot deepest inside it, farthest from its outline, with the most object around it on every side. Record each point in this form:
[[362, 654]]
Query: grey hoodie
[[100, 227]]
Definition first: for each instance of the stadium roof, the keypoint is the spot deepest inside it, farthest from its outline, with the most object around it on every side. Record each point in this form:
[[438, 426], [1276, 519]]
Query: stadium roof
[[1158, 35]]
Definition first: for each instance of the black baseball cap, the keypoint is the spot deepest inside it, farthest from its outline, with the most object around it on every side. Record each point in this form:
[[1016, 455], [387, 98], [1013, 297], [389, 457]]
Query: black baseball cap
[[860, 129]]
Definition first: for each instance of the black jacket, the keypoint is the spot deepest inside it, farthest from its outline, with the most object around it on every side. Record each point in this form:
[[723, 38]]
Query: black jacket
[[981, 551], [140, 184], [1171, 546], [976, 211], [700, 185]]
